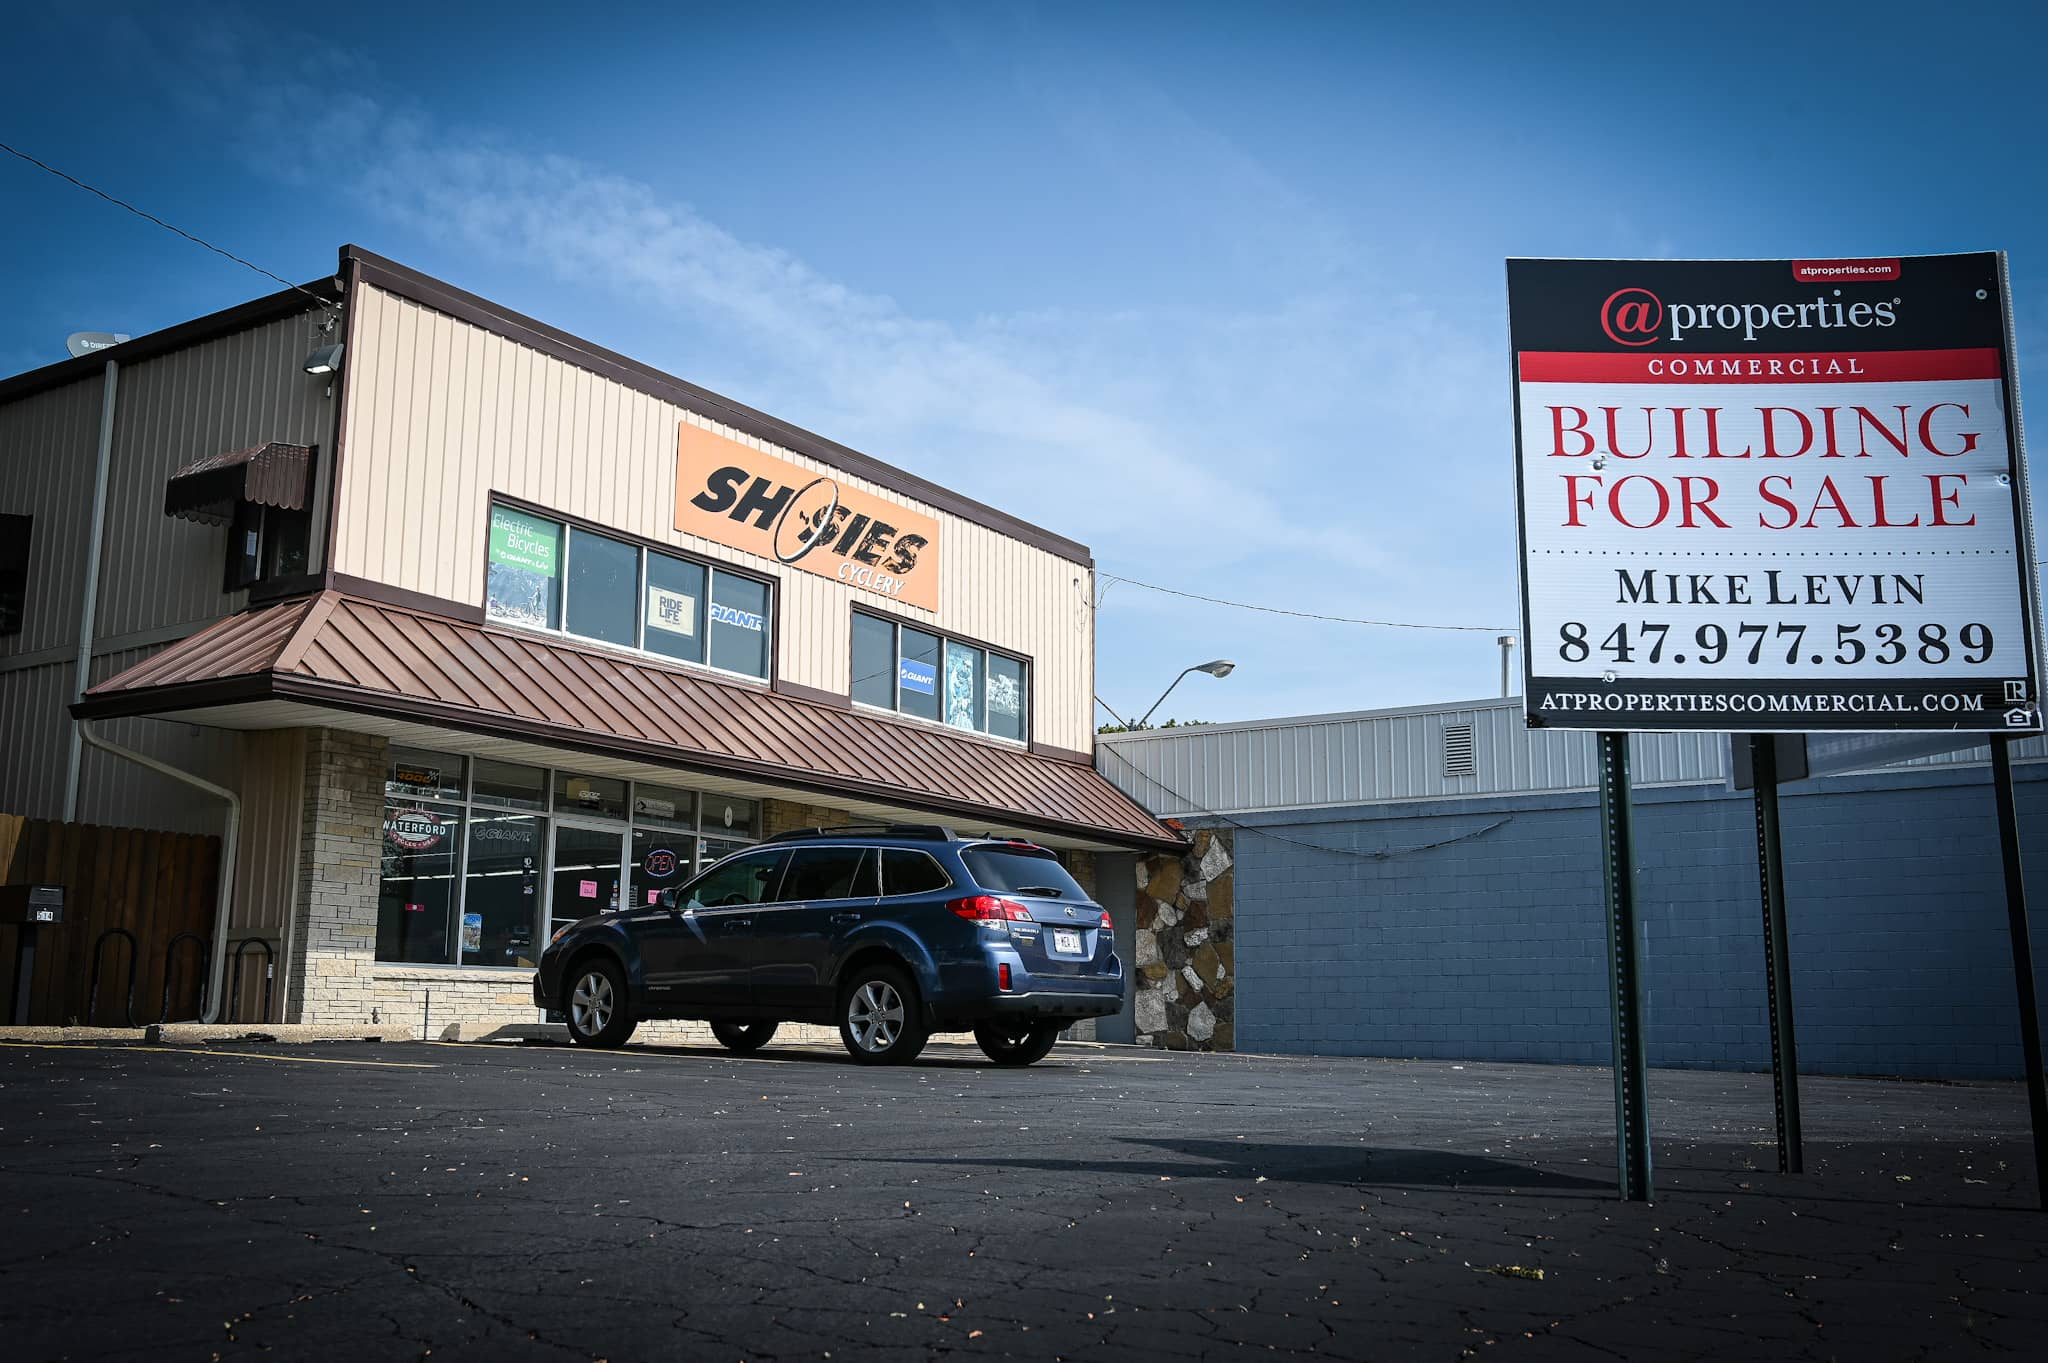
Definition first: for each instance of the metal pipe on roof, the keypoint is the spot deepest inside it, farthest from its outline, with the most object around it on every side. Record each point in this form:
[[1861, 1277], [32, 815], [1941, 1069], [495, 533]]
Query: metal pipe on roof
[[89, 610], [229, 841]]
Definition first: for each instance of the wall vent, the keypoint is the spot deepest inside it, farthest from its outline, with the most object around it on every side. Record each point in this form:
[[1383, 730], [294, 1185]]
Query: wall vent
[[1458, 759]]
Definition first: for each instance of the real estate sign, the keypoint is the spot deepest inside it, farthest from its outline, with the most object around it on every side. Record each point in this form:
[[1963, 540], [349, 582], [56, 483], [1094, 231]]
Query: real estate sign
[[1771, 495]]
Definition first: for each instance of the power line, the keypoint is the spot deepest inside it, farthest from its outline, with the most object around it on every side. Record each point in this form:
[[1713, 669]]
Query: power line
[[1308, 615], [168, 227]]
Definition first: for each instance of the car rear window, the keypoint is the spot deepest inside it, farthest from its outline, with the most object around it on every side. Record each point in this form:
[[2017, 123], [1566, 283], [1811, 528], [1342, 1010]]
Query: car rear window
[[1004, 870], [907, 872]]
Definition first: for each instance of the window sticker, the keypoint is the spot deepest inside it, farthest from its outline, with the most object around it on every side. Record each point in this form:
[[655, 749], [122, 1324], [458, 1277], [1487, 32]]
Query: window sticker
[[414, 830], [672, 611], [922, 678], [726, 615], [1005, 694], [472, 932], [525, 563]]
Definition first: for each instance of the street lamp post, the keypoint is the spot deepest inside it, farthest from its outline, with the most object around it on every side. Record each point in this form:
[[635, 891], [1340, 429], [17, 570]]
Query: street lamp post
[[1221, 667]]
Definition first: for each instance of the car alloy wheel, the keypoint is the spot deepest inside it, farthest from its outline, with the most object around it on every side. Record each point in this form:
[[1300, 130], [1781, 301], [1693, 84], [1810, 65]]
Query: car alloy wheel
[[881, 1021], [876, 1016], [592, 1003]]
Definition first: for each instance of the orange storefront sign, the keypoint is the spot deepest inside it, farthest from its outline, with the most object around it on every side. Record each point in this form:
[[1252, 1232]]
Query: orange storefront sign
[[737, 496]]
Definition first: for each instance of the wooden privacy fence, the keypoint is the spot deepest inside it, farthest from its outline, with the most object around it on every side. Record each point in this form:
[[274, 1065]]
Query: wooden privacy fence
[[154, 886]]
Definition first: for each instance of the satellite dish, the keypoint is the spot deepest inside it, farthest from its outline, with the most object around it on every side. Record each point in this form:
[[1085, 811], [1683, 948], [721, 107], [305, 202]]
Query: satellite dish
[[85, 342]]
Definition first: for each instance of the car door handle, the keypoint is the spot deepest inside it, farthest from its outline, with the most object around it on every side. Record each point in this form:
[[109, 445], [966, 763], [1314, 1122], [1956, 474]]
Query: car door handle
[[846, 918], [732, 923]]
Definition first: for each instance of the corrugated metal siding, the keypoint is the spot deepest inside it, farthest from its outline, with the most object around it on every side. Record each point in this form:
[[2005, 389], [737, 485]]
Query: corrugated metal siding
[[34, 738], [443, 413], [267, 860], [48, 446], [1373, 757], [241, 390], [120, 794]]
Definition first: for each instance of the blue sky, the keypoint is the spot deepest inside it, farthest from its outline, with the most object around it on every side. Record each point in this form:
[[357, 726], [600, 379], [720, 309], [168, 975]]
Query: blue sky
[[1214, 289]]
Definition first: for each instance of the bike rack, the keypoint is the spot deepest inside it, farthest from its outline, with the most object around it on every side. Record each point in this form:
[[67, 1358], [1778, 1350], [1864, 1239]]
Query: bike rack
[[235, 972], [92, 997], [205, 983]]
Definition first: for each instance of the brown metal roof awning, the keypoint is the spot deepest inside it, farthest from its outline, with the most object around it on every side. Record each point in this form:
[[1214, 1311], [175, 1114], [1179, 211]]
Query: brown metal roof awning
[[207, 489], [345, 653]]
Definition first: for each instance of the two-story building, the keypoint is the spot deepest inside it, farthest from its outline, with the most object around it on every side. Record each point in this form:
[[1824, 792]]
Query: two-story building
[[487, 628]]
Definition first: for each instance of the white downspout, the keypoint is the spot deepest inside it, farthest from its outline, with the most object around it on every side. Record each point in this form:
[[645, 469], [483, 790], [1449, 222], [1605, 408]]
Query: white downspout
[[88, 613], [218, 993]]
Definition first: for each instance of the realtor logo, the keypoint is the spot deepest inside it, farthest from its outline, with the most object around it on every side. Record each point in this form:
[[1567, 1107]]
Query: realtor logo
[[2015, 691]]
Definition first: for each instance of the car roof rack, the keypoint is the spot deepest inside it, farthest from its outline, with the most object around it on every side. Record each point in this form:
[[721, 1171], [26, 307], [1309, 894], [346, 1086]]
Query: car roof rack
[[923, 832]]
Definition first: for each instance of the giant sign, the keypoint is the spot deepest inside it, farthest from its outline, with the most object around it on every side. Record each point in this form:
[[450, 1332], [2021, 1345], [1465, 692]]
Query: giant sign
[[733, 494], [1771, 495]]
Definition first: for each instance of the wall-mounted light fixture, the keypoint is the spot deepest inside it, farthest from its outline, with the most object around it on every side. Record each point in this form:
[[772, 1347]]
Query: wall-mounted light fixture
[[325, 360]]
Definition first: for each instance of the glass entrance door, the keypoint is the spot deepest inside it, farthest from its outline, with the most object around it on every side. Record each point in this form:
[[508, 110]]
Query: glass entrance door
[[589, 865]]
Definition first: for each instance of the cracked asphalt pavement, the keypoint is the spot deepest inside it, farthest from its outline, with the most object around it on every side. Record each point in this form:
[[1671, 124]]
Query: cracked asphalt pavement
[[508, 1202]]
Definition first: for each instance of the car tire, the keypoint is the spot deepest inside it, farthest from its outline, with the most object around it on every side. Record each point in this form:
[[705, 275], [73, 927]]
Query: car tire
[[880, 1019], [594, 1002], [1016, 1043], [743, 1037]]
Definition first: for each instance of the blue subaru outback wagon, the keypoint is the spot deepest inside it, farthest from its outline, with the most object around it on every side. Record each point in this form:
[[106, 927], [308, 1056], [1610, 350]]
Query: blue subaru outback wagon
[[891, 932]]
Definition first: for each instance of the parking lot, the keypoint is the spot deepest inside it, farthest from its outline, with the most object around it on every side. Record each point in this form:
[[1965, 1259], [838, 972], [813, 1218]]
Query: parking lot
[[532, 1202]]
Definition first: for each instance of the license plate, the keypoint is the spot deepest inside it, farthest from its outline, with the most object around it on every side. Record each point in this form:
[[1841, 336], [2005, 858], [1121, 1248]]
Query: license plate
[[1066, 941]]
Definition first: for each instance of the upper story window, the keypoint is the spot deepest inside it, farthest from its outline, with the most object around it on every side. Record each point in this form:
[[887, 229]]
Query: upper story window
[[14, 536], [545, 574], [927, 676], [263, 495]]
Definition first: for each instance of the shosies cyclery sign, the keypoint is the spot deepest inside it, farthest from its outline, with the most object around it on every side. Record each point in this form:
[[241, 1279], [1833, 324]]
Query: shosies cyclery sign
[[737, 496], [1771, 495]]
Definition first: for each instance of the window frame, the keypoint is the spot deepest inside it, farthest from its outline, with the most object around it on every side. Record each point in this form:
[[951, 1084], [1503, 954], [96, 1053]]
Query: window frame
[[643, 547], [465, 806], [947, 640]]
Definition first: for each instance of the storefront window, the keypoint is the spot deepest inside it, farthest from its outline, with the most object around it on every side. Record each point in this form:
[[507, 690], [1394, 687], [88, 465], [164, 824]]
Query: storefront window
[[416, 892], [523, 586], [483, 883], [874, 661], [664, 806], [511, 785], [422, 774], [662, 860], [604, 588], [501, 890], [963, 686], [675, 608], [1005, 697], [739, 624], [917, 674], [603, 796]]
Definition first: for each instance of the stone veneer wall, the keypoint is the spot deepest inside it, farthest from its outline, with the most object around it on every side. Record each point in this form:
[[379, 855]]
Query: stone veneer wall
[[1186, 947]]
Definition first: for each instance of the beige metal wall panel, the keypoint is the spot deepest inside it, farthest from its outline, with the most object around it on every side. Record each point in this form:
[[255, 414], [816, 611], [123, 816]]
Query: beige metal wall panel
[[443, 413], [120, 794], [240, 390], [267, 857], [49, 444], [35, 733]]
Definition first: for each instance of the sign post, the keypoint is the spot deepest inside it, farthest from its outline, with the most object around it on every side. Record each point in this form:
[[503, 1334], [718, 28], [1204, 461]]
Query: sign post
[[1768, 497], [1625, 971]]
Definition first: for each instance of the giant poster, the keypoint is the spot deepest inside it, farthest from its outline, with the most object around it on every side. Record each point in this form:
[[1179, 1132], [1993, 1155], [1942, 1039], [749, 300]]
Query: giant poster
[[1771, 495]]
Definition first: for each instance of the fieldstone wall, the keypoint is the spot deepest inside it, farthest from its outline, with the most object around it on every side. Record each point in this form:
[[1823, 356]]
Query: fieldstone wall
[[1186, 947]]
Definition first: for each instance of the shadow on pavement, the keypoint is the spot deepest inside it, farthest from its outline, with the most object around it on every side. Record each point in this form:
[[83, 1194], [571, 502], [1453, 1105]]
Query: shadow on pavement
[[1246, 1161]]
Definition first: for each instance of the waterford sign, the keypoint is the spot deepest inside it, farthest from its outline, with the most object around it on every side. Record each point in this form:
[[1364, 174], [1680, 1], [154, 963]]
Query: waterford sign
[[1771, 495]]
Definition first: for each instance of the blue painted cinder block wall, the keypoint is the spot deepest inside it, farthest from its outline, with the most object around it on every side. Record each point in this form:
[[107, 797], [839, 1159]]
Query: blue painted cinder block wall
[[1491, 945]]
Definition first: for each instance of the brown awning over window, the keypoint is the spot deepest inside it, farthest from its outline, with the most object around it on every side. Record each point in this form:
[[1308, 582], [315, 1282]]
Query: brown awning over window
[[346, 653], [207, 489]]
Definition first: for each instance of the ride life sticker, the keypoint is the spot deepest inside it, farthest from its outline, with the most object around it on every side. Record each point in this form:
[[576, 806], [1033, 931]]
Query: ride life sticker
[[1771, 495]]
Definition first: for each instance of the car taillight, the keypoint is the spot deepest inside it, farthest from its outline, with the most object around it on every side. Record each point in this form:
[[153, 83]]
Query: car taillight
[[1105, 919], [1003, 975], [986, 908]]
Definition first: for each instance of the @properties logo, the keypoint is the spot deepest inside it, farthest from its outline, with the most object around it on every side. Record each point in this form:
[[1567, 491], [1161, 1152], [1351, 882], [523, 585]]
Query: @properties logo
[[1632, 316]]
